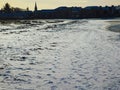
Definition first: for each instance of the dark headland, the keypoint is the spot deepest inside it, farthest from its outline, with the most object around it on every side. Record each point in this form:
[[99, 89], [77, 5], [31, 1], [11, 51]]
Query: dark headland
[[8, 12]]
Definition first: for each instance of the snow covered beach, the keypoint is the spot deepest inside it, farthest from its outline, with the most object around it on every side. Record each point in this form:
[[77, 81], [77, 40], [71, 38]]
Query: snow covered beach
[[59, 55]]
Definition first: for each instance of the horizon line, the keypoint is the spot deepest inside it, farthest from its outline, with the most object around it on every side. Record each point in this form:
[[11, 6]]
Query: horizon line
[[58, 6]]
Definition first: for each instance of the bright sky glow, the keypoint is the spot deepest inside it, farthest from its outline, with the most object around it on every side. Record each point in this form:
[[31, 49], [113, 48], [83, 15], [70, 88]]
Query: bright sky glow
[[50, 4]]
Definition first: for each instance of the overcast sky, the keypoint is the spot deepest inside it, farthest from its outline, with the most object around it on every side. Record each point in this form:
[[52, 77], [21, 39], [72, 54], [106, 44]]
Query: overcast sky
[[50, 4]]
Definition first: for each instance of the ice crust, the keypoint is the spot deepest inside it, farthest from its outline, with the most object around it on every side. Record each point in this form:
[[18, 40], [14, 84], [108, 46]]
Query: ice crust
[[59, 55]]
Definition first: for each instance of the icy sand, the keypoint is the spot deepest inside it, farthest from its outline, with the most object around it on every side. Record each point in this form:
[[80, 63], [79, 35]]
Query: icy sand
[[59, 55]]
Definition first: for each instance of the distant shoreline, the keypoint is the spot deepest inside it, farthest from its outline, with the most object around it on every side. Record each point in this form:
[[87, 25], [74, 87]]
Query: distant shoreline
[[63, 19], [63, 12]]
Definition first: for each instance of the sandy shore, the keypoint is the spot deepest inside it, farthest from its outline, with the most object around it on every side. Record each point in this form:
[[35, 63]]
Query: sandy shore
[[114, 26]]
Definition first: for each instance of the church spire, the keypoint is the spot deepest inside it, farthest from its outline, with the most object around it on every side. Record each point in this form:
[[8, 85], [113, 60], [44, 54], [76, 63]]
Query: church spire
[[35, 9]]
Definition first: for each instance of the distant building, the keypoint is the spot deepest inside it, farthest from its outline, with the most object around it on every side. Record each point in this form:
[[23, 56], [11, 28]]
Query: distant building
[[35, 9]]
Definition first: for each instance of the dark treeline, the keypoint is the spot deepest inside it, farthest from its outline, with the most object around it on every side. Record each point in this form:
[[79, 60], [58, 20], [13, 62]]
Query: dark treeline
[[8, 12]]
